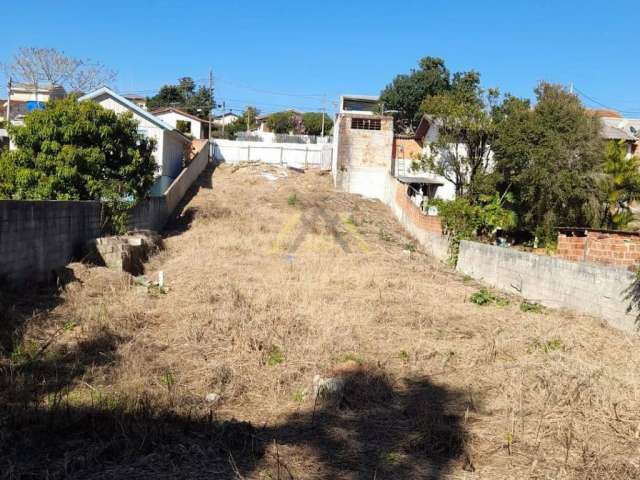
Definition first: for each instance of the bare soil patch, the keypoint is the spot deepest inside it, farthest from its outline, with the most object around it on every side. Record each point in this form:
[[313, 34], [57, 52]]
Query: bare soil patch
[[273, 279]]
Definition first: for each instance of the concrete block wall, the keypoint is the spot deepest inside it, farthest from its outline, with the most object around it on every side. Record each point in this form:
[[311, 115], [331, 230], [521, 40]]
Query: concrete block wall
[[596, 290], [621, 249], [38, 237]]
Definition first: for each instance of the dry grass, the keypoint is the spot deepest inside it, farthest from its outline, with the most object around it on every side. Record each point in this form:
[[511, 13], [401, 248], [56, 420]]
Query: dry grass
[[109, 380]]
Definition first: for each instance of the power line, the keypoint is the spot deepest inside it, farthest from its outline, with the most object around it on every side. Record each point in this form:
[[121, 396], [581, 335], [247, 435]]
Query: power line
[[603, 105]]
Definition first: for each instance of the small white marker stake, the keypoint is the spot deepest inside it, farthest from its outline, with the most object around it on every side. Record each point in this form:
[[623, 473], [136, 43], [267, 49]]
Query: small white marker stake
[[161, 278]]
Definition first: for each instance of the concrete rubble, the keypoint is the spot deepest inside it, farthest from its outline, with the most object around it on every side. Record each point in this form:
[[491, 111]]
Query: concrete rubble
[[125, 252]]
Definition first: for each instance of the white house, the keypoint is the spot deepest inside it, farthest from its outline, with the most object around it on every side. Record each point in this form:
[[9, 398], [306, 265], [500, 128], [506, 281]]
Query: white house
[[225, 119], [171, 145], [183, 121]]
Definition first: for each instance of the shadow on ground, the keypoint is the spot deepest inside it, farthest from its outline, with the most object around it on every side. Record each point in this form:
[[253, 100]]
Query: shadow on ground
[[372, 430], [182, 218]]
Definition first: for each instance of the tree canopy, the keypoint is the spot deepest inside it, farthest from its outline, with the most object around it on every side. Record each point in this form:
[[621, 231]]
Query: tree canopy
[[77, 151], [312, 122], [550, 157], [37, 65], [281, 122], [620, 184], [407, 91], [185, 95], [464, 118]]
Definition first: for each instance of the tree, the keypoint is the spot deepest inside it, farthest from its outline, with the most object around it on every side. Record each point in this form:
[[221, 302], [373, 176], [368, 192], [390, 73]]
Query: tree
[[620, 184], [464, 119], [281, 122], [550, 158], [312, 122], [246, 122], [38, 65], [185, 95], [407, 92], [77, 151]]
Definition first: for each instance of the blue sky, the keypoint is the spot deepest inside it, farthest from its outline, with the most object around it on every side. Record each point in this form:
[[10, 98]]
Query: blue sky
[[277, 54]]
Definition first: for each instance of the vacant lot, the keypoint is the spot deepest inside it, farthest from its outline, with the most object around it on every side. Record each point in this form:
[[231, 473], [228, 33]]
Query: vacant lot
[[273, 281]]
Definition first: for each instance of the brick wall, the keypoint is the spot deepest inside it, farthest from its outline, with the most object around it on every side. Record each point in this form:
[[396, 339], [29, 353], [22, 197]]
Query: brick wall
[[431, 223], [621, 249], [365, 148]]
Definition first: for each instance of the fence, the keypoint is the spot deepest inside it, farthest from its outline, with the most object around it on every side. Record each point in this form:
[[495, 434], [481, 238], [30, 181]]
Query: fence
[[598, 290], [269, 137], [39, 237], [292, 154]]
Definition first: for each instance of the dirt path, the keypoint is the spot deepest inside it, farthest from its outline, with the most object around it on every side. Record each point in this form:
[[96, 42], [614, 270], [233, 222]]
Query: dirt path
[[274, 280]]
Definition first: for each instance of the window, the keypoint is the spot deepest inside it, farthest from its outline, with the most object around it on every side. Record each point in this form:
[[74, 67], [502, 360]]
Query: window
[[365, 124], [183, 126]]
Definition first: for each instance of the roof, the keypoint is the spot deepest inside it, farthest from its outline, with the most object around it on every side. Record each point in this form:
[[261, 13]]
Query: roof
[[425, 180], [163, 110], [127, 103], [227, 114], [135, 96], [616, 128], [42, 87], [373, 98], [602, 112], [423, 127]]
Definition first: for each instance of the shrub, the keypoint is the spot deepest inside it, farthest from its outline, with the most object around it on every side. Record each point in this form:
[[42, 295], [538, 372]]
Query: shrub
[[485, 297], [462, 220], [531, 307]]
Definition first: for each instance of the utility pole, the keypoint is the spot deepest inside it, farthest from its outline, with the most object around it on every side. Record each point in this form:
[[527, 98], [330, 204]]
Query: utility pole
[[324, 100], [224, 106], [9, 103], [210, 108]]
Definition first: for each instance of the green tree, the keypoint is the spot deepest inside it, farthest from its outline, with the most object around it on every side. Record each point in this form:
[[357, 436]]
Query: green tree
[[550, 157], [185, 95], [246, 122], [464, 119], [621, 184], [77, 151], [281, 122], [312, 122], [407, 91]]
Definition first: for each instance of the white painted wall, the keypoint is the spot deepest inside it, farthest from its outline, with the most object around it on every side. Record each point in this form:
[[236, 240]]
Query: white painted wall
[[294, 154], [170, 145], [172, 119]]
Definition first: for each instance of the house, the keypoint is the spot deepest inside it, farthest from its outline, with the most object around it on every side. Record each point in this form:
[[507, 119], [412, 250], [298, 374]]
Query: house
[[171, 145], [625, 129], [183, 121], [225, 119], [367, 152], [139, 100], [263, 127], [25, 97], [362, 147]]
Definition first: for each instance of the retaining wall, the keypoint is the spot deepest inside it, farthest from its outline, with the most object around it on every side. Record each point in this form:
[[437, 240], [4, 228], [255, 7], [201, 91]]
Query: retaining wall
[[592, 289], [39, 237], [425, 228]]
